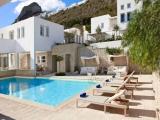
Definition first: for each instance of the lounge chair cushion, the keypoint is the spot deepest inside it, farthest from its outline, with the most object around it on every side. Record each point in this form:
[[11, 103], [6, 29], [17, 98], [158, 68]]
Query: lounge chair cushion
[[99, 86], [83, 95], [108, 89], [95, 99]]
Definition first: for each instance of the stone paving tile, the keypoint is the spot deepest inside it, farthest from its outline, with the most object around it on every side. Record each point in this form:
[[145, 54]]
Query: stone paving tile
[[142, 107]]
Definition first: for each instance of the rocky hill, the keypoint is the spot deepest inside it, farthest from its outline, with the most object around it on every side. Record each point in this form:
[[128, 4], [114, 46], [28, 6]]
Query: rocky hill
[[81, 14]]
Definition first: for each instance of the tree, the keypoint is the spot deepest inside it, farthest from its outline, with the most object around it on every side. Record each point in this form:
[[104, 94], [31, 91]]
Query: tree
[[59, 59], [98, 30], [116, 29], [99, 36], [69, 37], [143, 36]]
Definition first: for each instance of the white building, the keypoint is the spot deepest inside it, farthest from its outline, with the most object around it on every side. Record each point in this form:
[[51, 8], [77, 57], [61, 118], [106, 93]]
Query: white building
[[124, 10], [105, 22], [29, 42], [78, 37]]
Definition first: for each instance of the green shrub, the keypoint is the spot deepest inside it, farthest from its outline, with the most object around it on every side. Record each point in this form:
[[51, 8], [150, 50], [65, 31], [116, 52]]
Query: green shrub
[[114, 51], [60, 74]]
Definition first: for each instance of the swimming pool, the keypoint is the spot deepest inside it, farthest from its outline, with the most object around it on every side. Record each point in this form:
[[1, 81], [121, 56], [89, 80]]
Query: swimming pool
[[43, 90]]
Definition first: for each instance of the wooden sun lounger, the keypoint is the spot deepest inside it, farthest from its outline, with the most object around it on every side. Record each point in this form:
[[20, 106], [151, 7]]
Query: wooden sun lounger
[[118, 81], [114, 101], [115, 89]]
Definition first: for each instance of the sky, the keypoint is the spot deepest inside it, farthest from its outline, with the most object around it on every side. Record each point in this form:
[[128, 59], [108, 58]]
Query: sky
[[10, 11]]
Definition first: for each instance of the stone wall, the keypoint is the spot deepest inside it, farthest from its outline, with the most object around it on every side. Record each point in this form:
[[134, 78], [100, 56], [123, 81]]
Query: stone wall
[[91, 51], [24, 73], [9, 73], [67, 49]]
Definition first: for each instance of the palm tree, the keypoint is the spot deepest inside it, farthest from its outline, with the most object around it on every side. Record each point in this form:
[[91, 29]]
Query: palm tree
[[116, 29]]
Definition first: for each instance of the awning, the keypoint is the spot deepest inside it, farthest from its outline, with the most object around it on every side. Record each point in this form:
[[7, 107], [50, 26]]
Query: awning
[[83, 58]]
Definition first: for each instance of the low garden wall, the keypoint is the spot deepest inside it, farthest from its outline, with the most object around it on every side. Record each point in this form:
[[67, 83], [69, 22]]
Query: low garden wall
[[24, 73], [8, 73]]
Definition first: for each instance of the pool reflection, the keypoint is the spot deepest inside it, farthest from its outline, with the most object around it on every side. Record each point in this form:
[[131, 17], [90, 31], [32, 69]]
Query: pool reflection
[[11, 87]]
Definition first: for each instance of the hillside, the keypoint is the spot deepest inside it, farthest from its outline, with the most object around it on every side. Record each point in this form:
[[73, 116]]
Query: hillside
[[80, 15]]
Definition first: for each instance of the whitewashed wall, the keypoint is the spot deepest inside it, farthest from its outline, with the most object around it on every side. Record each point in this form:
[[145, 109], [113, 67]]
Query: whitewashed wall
[[134, 6], [107, 20], [32, 40], [22, 44], [56, 35], [110, 44], [7, 46]]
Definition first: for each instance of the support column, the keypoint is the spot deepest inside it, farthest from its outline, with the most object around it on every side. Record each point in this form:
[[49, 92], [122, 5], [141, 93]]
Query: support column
[[0, 61], [33, 62], [17, 61], [9, 61]]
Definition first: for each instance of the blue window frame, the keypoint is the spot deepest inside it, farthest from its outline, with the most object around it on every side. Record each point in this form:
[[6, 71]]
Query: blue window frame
[[129, 5], [122, 7], [128, 16], [122, 17]]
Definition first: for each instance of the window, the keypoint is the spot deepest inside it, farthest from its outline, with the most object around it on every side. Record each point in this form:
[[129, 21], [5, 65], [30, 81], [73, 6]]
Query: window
[[102, 25], [122, 17], [42, 30], [129, 5], [18, 33], [22, 32], [11, 35], [128, 16], [122, 7], [47, 31], [43, 59]]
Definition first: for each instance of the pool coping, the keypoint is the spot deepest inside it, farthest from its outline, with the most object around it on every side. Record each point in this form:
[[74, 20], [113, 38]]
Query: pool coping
[[44, 106]]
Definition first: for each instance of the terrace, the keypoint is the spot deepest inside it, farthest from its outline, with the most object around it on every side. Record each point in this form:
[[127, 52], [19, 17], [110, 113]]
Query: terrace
[[142, 107]]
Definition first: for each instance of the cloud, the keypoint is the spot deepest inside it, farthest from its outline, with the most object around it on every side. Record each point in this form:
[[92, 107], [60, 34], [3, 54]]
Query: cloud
[[46, 5]]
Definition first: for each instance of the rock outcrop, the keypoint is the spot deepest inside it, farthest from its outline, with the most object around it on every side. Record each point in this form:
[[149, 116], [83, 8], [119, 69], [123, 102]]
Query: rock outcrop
[[28, 11]]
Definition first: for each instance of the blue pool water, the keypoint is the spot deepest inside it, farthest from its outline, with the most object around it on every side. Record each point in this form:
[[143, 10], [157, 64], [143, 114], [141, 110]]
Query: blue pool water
[[43, 90]]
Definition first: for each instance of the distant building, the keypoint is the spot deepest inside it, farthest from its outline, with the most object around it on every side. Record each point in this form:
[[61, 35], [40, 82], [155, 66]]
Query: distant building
[[125, 8], [105, 22], [75, 35]]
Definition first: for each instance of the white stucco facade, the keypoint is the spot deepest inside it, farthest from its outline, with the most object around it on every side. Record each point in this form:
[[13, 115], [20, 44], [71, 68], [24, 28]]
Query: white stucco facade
[[109, 44], [124, 10], [78, 37], [105, 22], [30, 35]]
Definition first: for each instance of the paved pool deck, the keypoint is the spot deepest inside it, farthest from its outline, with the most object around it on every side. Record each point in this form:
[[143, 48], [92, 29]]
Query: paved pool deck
[[142, 107]]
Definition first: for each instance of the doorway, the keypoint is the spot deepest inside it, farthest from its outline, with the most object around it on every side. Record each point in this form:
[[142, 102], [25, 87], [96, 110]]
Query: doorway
[[54, 63], [67, 63]]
